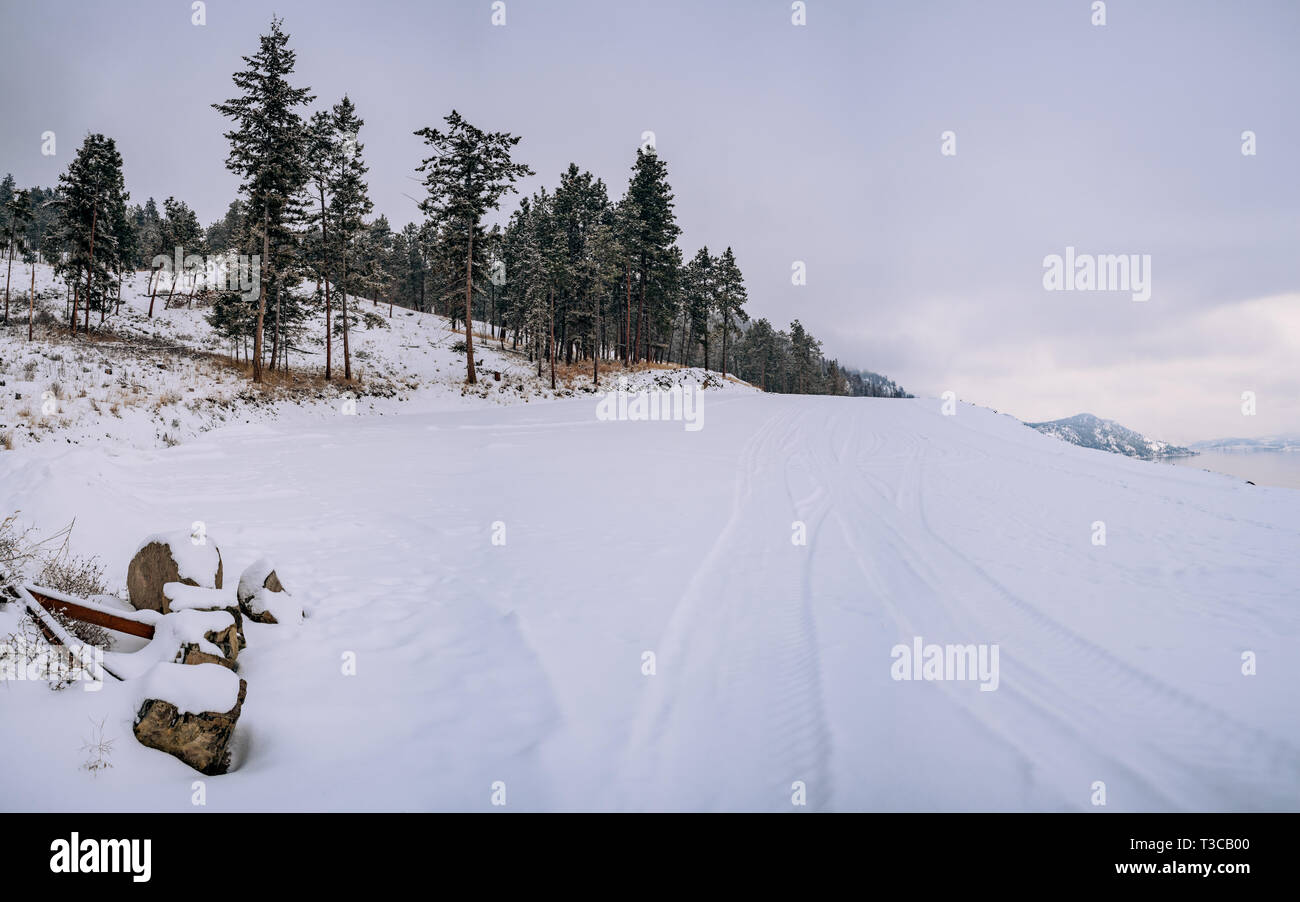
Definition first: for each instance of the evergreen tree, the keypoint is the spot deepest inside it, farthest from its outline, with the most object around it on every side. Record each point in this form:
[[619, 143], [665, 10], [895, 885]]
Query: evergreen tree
[[149, 238], [730, 298], [13, 230], [580, 205], [465, 177], [652, 230], [376, 261], [323, 152], [92, 200], [182, 237], [700, 289], [7, 188], [601, 269], [267, 152], [223, 235], [348, 208]]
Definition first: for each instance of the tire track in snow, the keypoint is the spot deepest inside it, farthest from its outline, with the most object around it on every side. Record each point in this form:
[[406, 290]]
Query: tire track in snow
[[734, 715], [1181, 750]]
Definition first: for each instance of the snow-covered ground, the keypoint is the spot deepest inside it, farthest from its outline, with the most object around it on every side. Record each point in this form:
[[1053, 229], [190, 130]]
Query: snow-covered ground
[[150, 382], [525, 662]]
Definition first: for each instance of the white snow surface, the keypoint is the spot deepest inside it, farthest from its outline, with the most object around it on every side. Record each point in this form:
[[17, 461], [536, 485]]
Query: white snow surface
[[279, 605], [171, 631], [523, 662], [182, 597], [192, 688]]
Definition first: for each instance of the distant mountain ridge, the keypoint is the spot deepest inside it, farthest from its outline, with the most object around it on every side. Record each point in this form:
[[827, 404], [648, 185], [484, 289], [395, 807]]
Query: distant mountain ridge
[[1089, 431], [1288, 442]]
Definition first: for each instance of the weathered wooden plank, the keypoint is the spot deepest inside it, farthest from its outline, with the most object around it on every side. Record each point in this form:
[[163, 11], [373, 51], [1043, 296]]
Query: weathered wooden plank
[[54, 632], [92, 614]]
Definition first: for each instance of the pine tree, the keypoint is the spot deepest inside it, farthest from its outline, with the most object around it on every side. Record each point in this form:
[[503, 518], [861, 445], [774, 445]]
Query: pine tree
[[348, 208], [323, 152], [92, 200], [699, 281], [465, 177], [376, 264], [652, 228], [7, 188], [181, 231], [730, 298], [13, 229], [580, 205], [267, 152], [148, 227], [223, 235], [602, 268]]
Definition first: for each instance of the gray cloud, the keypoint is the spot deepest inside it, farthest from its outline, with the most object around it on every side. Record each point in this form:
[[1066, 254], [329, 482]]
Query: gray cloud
[[818, 144]]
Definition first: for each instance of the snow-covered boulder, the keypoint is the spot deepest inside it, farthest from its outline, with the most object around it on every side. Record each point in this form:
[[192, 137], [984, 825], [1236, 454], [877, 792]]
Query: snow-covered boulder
[[173, 557], [262, 598], [190, 713], [182, 597], [182, 637]]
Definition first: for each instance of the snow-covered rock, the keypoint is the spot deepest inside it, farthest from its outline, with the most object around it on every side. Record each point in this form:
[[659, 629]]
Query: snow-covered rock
[[167, 558], [262, 598], [190, 712]]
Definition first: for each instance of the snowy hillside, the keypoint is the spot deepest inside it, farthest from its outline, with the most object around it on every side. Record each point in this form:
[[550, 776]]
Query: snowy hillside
[[150, 382], [1090, 431], [649, 635]]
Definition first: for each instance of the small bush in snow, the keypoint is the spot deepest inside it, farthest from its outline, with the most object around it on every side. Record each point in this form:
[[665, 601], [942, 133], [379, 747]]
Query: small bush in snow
[[97, 749], [72, 575]]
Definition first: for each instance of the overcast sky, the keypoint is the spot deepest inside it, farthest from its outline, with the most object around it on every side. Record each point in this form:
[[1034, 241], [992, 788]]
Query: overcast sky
[[818, 143]]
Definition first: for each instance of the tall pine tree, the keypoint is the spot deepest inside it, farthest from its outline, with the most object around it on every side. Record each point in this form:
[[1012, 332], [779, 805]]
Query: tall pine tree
[[730, 298], [267, 152], [466, 176], [91, 201], [348, 208]]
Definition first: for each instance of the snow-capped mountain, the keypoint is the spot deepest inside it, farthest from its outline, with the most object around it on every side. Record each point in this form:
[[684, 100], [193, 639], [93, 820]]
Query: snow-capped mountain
[[1091, 431]]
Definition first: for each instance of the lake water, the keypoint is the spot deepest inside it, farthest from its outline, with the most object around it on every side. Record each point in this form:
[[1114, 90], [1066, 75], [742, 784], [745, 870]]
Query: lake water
[[1260, 467]]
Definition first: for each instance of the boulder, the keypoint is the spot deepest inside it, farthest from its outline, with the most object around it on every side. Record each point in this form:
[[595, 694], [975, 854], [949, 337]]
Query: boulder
[[171, 558], [193, 654], [190, 713], [226, 639], [183, 597], [262, 598], [199, 637]]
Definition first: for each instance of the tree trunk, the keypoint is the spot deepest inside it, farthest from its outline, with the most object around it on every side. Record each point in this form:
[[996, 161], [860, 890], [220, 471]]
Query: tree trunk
[[7, 275], [261, 298], [31, 301], [640, 320], [347, 354], [325, 265], [469, 310], [627, 322], [153, 288], [90, 266], [644, 316], [725, 330], [552, 341], [168, 303]]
